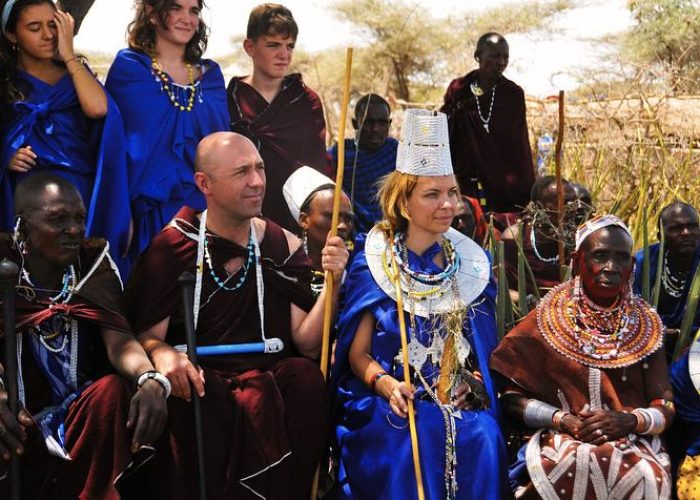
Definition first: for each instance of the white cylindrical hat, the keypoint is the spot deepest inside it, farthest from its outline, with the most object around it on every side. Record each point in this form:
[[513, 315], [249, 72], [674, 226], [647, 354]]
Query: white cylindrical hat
[[424, 148], [300, 185]]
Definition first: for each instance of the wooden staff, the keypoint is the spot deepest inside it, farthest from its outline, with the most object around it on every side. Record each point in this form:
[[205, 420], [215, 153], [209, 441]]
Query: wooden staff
[[328, 305], [8, 278], [560, 186], [407, 375], [186, 282]]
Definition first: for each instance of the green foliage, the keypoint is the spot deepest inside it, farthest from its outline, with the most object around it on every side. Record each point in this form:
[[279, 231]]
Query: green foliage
[[515, 17], [667, 32]]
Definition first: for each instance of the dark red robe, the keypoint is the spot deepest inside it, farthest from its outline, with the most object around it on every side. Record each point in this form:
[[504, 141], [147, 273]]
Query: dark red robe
[[265, 415], [289, 132], [96, 435], [501, 158]]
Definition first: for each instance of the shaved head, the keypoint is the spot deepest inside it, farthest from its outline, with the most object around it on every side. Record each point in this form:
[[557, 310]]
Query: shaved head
[[29, 191], [219, 149]]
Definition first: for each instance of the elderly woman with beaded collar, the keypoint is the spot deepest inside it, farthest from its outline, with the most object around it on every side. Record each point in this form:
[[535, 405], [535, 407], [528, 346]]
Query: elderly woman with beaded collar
[[600, 398], [448, 300], [170, 99]]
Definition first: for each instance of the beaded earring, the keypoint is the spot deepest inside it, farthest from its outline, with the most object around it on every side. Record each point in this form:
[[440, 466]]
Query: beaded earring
[[305, 242], [17, 239]]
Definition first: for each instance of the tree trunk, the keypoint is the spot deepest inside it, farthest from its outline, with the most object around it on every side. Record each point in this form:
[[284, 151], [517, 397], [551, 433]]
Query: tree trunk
[[78, 9]]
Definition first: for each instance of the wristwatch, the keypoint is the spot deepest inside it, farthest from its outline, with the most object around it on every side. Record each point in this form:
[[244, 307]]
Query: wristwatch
[[158, 377]]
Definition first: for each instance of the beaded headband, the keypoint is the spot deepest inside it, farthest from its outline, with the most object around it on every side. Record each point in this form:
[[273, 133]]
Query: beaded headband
[[299, 186], [588, 228], [6, 11]]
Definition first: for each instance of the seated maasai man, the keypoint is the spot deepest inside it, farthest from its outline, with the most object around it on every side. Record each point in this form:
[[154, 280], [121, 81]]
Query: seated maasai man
[[266, 415], [71, 336], [469, 220], [368, 158], [596, 405], [540, 230], [448, 309], [685, 438], [309, 196], [681, 230]]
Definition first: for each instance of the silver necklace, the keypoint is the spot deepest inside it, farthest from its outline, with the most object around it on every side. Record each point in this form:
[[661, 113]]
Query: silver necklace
[[673, 284], [548, 260], [485, 121]]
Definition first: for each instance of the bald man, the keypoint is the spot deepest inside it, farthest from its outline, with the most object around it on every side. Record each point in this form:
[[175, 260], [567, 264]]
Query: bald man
[[266, 413]]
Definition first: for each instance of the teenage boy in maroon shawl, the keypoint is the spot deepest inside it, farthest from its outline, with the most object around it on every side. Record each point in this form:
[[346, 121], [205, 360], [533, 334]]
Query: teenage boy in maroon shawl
[[266, 416], [540, 237], [282, 116], [488, 131], [70, 328], [600, 398]]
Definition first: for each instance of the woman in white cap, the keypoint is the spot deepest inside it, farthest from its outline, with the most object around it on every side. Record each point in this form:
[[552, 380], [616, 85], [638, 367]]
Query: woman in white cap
[[309, 196], [448, 300]]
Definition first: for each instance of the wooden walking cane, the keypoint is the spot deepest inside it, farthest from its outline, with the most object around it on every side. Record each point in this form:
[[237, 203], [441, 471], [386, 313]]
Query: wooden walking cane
[[186, 282], [328, 305], [560, 185], [8, 278], [407, 375]]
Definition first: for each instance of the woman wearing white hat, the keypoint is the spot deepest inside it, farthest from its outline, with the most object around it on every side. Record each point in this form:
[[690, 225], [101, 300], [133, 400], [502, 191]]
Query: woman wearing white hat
[[309, 196], [448, 300]]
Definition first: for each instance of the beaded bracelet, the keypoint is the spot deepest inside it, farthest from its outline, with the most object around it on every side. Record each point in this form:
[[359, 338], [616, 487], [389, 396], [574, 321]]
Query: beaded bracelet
[[557, 418], [665, 403], [375, 377], [74, 58]]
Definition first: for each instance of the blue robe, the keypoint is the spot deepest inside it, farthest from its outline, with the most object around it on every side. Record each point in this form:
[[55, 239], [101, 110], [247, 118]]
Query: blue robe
[[375, 447], [161, 140], [369, 167], [687, 421], [89, 153], [670, 309]]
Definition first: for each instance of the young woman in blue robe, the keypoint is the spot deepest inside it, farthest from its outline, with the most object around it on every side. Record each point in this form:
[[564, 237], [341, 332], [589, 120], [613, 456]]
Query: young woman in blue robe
[[448, 297], [170, 98], [56, 116]]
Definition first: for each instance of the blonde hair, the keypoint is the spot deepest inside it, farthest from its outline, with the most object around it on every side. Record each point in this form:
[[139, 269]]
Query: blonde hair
[[394, 191]]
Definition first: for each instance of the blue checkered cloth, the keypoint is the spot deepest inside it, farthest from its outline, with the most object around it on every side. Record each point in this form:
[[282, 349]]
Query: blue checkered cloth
[[370, 167]]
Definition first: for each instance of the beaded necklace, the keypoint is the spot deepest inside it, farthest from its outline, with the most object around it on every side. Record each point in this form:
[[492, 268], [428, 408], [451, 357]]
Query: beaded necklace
[[166, 84], [484, 121], [613, 337], [222, 283], [317, 281], [548, 260], [673, 283]]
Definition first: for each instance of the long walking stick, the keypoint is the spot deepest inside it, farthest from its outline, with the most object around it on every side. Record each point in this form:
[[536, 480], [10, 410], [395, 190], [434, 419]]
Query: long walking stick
[[186, 282], [407, 377], [328, 305], [560, 185], [8, 278]]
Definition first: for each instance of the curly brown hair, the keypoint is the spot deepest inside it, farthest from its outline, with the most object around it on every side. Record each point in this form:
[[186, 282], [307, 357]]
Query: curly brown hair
[[141, 34]]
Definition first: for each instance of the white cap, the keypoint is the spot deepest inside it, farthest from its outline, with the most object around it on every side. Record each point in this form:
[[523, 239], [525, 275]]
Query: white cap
[[300, 185], [424, 148]]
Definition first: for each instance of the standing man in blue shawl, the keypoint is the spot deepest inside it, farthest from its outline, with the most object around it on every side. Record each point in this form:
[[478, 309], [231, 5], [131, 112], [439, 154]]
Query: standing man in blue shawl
[[681, 227], [56, 117], [170, 99], [448, 299], [368, 158]]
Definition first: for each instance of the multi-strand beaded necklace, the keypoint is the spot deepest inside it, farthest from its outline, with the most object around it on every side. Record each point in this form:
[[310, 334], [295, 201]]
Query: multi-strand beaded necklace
[[673, 282], [612, 337], [169, 86]]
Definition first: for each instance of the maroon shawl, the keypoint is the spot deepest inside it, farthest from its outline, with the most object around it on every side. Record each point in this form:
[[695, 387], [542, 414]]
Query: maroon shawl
[[501, 159], [228, 317], [289, 132]]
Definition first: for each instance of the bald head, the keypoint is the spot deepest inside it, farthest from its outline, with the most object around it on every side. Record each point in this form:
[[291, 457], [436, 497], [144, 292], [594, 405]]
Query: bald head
[[222, 148], [29, 191]]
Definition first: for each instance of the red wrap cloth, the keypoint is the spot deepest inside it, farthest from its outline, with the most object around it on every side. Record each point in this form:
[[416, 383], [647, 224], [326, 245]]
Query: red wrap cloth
[[258, 407], [96, 435], [502, 158], [289, 132]]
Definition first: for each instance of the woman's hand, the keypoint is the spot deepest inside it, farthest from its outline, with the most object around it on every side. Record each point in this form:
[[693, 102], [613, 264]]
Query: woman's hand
[[65, 26], [603, 425], [334, 257], [23, 160], [398, 401]]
